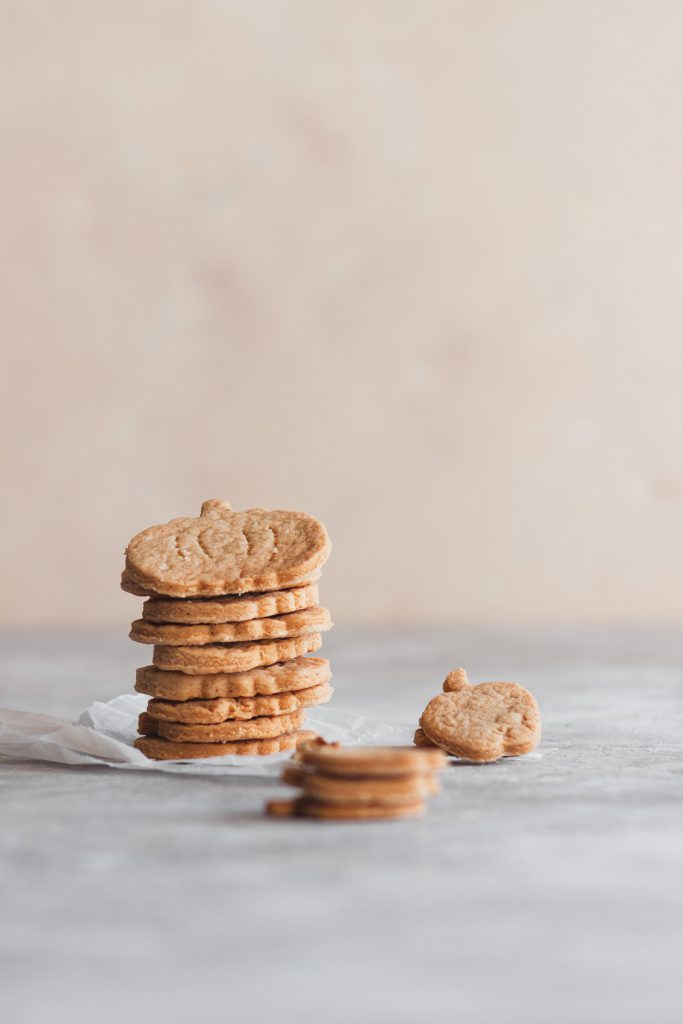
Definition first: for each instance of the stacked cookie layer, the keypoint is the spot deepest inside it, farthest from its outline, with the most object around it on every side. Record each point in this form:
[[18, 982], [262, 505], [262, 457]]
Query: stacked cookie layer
[[359, 783], [230, 672]]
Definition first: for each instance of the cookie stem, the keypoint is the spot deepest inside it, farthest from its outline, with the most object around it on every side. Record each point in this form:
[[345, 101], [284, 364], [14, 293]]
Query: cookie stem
[[456, 680]]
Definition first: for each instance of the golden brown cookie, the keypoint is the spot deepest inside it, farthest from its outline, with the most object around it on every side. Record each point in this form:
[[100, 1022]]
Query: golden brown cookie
[[399, 789], [221, 732], [421, 739], [308, 808], [333, 759], [167, 750], [297, 674], [281, 808], [131, 587], [234, 657], [226, 552], [482, 723], [223, 709], [190, 610], [311, 620]]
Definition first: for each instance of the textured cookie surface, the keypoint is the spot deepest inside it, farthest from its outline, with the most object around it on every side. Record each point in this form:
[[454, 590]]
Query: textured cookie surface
[[230, 609], [399, 789], [482, 723], [168, 750], [333, 759], [226, 552], [222, 709], [311, 620], [297, 674], [221, 732], [234, 657]]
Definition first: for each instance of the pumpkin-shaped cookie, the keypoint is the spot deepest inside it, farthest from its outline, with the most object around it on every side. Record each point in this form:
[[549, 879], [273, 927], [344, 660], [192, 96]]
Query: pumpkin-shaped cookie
[[482, 723], [225, 552]]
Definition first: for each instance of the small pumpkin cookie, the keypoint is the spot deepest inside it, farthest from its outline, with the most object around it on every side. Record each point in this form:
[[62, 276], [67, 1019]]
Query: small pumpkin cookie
[[311, 620], [399, 789], [190, 610], [308, 808], [168, 750], [302, 807], [297, 674], [482, 723], [222, 709], [333, 759], [226, 552], [234, 657]]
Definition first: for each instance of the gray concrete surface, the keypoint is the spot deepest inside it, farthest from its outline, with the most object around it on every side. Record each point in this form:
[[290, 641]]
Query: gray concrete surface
[[541, 890]]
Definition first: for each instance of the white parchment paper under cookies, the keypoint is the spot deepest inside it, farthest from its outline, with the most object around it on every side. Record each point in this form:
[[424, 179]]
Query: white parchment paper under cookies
[[105, 732]]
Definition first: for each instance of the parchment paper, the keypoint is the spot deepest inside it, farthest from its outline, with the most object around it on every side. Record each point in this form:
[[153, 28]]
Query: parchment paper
[[105, 732]]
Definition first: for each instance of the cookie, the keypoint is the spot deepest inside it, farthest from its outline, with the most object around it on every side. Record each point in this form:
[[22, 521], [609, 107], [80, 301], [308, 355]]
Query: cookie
[[281, 808], [226, 552], [400, 789], [333, 759], [297, 674], [307, 808], [167, 750], [234, 657], [311, 620], [190, 610], [482, 723], [222, 709], [221, 732], [131, 587], [421, 739]]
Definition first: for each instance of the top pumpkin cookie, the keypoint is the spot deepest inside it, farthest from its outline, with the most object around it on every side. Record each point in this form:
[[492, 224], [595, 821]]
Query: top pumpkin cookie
[[226, 552]]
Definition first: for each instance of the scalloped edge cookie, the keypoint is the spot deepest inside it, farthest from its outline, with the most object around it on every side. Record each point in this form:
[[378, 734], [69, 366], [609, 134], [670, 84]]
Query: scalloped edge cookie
[[226, 552], [224, 709], [398, 789], [234, 657], [222, 732], [310, 620], [235, 608], [159, 749], [306, 808], [298, 674], [333, 759]]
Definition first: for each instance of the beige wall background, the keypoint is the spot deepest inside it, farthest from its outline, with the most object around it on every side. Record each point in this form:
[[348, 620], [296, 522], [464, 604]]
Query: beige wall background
[[413, 267]]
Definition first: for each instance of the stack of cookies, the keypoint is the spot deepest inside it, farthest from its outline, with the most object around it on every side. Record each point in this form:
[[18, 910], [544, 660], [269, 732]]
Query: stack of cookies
[[359, 783], [480, 723], [232, 610]]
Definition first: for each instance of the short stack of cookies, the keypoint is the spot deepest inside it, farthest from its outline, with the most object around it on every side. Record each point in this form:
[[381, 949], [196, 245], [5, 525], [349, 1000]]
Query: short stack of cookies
[[359, 783], [232, 610]]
